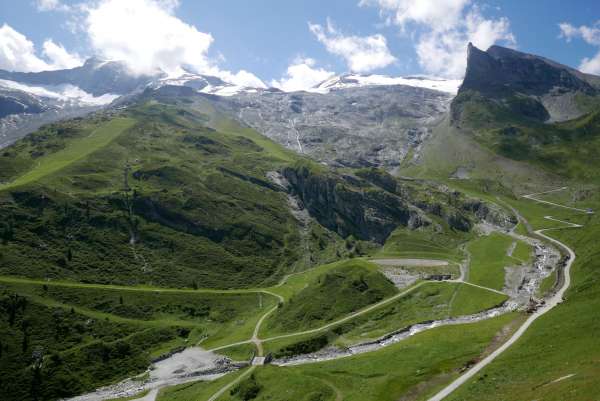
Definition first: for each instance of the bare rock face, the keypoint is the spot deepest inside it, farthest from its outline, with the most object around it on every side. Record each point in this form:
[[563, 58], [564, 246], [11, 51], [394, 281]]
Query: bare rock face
[[372, 126], [350, 206]]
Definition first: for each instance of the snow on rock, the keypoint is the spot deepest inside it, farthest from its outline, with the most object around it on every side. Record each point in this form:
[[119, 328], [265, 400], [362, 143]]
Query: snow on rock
[[66, 93]]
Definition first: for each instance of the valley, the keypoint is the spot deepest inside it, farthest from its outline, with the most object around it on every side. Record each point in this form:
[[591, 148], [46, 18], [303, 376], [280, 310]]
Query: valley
[[368, 239]]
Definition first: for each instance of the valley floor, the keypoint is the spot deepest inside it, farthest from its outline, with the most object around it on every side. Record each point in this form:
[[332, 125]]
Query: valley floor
[[489, 333]]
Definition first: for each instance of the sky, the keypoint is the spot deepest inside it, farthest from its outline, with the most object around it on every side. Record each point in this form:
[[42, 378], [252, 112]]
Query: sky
[[293, 44]]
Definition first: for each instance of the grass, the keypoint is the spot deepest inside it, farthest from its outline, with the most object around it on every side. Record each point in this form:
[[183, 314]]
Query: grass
[[563, 341], [469, 300], [216, 318], [431, 301], [79, 353], [422, 244], [199, 390], [547, 284], [339, 291], [523, 252], [243, 352], [76, 150], [488, 260], [410, 368]]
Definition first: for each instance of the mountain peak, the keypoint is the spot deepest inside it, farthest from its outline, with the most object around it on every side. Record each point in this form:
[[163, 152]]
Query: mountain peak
[[500, 69]]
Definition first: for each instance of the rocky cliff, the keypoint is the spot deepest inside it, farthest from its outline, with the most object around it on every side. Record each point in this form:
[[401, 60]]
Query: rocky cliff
[[522, 85]]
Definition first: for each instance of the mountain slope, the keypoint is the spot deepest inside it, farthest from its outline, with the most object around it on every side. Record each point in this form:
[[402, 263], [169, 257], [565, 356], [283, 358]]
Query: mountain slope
[[362, 126], [519, 118], [140, 195]]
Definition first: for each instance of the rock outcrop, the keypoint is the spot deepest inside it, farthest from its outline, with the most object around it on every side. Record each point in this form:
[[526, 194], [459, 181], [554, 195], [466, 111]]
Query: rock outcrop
[[523, 85]]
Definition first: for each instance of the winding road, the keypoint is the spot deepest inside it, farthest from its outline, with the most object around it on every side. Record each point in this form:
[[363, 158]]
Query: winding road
[[556, 299]]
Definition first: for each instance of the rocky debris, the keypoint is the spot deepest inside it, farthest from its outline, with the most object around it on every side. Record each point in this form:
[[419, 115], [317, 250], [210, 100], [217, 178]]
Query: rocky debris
[[372, 126], [400, 277], [330, 353], [490, 213], [191, 364]]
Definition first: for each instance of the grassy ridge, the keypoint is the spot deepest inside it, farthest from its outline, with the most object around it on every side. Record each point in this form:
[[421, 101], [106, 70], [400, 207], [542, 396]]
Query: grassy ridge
[[76, 149], [339, 291]]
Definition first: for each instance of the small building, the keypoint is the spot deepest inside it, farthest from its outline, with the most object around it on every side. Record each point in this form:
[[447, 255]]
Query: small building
[[439, 277]]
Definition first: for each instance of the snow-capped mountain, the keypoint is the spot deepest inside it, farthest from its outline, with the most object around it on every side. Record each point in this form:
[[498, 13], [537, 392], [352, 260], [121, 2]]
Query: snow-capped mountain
[[346, 120], [204, 84], [347, 81]]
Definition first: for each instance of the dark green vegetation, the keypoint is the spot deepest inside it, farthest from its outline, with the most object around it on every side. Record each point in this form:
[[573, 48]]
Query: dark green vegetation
[[48, 352], [431, 301], [388, 374], [549, 118], [155, 197], [219, 318], [338, 292]]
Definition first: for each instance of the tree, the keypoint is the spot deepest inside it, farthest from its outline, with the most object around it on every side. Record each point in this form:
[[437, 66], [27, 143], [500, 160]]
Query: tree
[[69, 254]]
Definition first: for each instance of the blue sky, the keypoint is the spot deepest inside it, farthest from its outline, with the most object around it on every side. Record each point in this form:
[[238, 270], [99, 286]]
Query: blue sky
[[266, 37]]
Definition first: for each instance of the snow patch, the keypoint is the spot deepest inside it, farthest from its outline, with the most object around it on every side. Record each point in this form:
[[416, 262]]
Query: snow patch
[[355, 80], [66, 93]]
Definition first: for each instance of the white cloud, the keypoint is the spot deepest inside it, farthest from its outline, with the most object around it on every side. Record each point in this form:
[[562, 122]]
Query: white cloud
[[59, 57], [302, 75], [442, 30], [52, 5], [441, 14], [591, 65], [361, 53], [17, 53], [148, 36], [591, 35]]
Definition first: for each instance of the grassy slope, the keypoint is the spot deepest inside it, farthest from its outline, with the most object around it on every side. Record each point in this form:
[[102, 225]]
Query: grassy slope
[[337, 292], [80, 353], [488, 259], [423, 244], [75, 150], [523, 252], [428, 302], [383, 375], [449, 148], [216, 318], [562, 342], [188, 203]]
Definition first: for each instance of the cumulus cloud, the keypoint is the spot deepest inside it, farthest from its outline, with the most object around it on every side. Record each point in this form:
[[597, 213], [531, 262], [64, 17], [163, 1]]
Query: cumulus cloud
[[442, 30], [441, 14], [302, 75], [589, 34], [59, 57], [17, 53], [361, 53], [52, 5], [148, 36]]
